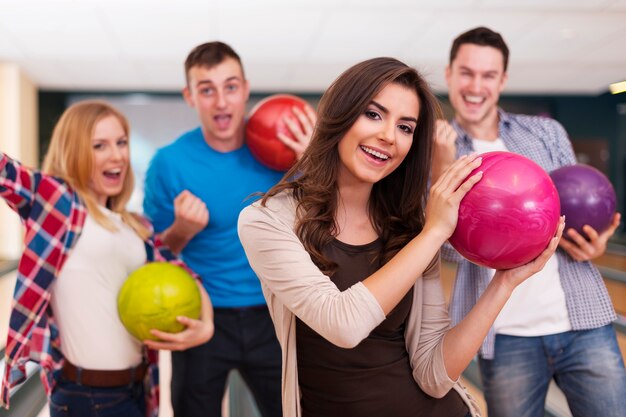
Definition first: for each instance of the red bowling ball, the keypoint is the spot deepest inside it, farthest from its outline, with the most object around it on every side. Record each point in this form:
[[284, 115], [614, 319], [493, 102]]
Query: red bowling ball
[[264, 124], [508, 218]]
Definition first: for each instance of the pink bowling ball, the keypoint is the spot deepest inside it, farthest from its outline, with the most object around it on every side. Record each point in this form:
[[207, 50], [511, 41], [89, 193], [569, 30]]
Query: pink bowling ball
[[508, 218]]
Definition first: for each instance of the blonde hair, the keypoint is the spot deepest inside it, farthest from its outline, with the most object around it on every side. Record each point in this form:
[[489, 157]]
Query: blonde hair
[[70, 157]]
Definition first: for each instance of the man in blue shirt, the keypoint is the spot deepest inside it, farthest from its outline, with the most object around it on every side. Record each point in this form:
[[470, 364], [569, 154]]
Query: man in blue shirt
[[557, 325], [209, 171]]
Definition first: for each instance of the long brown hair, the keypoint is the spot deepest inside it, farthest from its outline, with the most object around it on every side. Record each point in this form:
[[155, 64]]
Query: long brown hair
[[70, 157], [397, 201]]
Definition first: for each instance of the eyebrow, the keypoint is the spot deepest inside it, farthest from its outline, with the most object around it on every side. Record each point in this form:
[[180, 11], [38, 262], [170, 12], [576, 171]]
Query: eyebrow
[[386, 111], [491, 72], [96, 139], [233, 78]]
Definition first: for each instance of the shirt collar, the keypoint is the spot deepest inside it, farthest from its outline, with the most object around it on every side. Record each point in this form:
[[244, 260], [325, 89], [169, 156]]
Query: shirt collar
[[504, 122], [504, 119]]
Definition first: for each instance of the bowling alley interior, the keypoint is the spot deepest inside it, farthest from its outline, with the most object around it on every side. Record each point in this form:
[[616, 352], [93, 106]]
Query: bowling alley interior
[[566, 63]]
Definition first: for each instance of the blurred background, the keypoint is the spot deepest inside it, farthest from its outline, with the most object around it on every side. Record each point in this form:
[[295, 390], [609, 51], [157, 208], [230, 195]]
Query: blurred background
[[565, 55]]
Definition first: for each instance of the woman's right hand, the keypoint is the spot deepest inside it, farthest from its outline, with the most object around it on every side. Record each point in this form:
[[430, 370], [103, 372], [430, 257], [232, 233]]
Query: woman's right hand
[[196, 332], [442, 207]]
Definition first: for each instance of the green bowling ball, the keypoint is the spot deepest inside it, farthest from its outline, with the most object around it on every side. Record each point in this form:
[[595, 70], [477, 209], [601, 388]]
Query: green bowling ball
[[153, 296]]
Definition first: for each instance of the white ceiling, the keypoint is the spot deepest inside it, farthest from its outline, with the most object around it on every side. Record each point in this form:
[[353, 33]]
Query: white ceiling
[[557, 46]]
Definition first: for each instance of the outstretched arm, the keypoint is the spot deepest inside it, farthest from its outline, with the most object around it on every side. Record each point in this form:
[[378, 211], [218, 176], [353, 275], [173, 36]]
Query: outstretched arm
[[463, 341], [18, 185]]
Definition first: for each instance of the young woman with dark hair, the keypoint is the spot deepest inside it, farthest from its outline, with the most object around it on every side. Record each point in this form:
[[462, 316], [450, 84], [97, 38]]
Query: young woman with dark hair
[[347, 250]]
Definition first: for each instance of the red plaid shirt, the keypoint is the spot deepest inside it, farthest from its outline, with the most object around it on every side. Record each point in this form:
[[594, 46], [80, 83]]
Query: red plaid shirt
[[53, 216]]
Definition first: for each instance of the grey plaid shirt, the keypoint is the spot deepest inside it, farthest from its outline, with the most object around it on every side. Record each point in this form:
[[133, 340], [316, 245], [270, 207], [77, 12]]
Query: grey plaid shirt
[[544, 141]]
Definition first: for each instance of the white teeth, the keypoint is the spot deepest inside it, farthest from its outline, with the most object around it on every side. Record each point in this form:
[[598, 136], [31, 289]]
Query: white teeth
[[474, 99], [375, 153], [114, 171]]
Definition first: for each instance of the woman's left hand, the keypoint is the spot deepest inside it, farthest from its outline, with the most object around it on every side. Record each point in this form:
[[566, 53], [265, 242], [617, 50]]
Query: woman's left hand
[[511, 278], [196, 332]]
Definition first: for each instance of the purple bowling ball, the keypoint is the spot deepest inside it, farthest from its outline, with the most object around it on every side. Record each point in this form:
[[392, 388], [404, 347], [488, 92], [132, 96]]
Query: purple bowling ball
[[508, 218], [587, 197]]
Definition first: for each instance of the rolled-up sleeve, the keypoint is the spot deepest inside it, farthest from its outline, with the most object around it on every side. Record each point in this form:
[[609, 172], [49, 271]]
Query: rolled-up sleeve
[[18, 185]]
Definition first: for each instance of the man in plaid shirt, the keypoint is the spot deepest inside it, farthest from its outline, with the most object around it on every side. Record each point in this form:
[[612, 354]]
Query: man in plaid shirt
[[557, 324]]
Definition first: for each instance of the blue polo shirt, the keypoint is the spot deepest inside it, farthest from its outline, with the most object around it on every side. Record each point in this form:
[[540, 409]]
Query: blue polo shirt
[[225, 182]]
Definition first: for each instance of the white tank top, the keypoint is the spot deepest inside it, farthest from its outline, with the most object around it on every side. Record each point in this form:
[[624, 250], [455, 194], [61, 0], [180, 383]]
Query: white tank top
[[84, 296], [537, 306]]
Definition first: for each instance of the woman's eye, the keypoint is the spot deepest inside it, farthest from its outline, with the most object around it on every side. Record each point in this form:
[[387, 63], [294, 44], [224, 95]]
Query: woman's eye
[[372, 114], [406, 129]]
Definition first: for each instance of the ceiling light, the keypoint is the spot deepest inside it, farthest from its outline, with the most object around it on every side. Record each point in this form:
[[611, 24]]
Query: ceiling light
[[617, 88]]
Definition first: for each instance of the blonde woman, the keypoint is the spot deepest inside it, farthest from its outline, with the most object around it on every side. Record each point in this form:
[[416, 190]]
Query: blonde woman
[[80, 245]]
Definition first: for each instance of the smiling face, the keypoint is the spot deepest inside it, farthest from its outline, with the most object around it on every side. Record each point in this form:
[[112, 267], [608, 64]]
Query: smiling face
[[381, 137], [475, 80], [111, 159], [219, 94]]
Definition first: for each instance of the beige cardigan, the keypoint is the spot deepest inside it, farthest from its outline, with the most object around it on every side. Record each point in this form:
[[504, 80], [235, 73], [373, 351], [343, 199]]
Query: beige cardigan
[[294, 286]]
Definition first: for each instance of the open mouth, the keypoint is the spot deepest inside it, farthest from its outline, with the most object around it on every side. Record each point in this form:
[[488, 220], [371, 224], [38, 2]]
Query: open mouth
[[379, 156], [222, 120], [475, 100], [113, 174]]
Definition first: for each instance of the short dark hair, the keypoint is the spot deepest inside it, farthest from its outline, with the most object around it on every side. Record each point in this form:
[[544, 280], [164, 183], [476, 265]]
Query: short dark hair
[[209, 55], [484, 37]]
